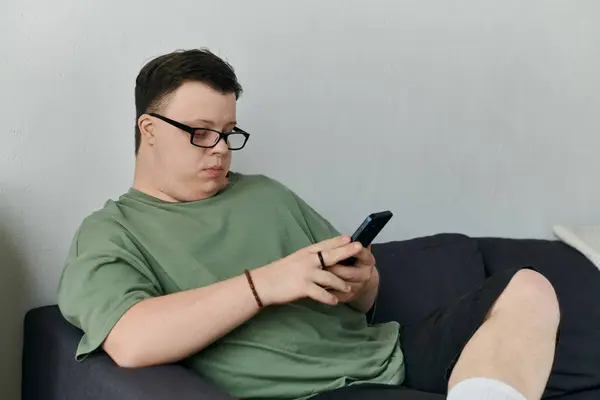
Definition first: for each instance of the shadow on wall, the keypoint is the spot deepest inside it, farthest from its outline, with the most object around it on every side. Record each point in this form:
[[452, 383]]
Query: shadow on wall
[[12, 308]]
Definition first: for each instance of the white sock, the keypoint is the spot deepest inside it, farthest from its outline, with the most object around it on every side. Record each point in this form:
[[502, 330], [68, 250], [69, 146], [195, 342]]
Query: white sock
[[483, 389]]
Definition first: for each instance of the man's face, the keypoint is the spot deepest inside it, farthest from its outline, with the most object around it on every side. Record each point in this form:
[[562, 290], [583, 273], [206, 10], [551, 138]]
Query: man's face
[[185, 172]]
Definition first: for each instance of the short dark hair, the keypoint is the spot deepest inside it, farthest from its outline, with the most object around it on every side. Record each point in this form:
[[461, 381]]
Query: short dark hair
[[162, 75]]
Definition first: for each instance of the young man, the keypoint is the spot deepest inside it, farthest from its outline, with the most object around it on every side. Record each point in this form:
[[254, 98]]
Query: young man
[[238, 277]]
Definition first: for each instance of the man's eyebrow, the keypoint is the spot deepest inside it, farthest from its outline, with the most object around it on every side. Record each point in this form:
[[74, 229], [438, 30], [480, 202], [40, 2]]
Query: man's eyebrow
[[207, 122]]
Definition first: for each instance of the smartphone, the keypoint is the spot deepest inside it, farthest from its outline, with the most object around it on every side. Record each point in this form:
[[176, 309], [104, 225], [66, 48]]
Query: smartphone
[[368, 230]]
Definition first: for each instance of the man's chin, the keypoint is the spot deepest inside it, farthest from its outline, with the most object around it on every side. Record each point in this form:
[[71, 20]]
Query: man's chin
[[216, 184]]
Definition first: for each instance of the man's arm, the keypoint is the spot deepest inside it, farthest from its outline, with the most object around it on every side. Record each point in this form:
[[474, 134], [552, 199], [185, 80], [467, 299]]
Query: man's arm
[[145, 334], [168, 328]]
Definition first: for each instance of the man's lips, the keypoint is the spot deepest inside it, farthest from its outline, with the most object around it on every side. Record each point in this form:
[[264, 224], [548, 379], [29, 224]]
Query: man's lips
[[214, 171]]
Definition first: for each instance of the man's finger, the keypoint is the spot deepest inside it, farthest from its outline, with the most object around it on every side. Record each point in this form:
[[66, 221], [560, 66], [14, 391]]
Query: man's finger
[[328, 280], [329, 244], [348, 274], [321, 295], [334, 256], [365, 257]]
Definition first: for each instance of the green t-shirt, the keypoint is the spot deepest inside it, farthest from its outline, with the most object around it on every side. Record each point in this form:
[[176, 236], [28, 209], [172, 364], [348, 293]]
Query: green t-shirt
[[138, 247]]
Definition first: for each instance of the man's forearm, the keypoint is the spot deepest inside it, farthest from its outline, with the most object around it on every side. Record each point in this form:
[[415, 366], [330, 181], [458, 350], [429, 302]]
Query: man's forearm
[[365, 300], [169, 328]]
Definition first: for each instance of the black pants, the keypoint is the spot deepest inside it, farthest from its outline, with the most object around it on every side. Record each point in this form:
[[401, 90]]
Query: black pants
[[432, 347]]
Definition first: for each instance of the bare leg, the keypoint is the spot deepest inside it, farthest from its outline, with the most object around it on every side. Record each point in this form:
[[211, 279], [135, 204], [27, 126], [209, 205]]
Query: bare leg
[[517, 341]]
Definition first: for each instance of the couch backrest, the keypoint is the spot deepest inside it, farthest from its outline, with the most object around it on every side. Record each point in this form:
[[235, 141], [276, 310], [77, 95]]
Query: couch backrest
[[419, 275]]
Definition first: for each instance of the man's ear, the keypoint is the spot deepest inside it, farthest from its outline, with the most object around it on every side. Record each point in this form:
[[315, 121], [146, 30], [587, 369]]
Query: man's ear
[[146, 127]]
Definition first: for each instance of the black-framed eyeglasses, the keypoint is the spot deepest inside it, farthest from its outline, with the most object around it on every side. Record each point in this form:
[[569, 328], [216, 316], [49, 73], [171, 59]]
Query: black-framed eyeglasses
[[208, 138]]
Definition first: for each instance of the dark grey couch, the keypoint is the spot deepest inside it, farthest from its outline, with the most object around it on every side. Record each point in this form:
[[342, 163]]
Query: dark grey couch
[[417, 276]]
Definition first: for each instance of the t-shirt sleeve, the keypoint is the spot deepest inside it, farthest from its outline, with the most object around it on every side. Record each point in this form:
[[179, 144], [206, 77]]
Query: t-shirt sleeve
[[104, 275]]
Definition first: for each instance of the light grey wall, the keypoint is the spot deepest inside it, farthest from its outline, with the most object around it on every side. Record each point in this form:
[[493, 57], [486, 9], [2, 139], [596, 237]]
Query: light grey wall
[[466, 116]]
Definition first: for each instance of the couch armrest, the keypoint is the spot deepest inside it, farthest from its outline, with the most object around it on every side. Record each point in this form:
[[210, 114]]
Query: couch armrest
[[50, 371]]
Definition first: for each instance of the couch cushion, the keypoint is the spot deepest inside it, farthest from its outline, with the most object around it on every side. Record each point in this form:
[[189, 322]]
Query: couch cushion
[[577, 285], [419, 275]]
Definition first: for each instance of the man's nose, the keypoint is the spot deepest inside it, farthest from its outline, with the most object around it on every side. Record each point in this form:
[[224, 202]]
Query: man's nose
[[221, 146]]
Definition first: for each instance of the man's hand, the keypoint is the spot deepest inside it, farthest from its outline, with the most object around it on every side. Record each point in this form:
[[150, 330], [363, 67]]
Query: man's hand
[[363, 279], [300, 275]]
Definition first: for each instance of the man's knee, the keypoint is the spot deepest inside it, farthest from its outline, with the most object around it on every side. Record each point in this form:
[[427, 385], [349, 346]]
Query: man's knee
[[531, 293]]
